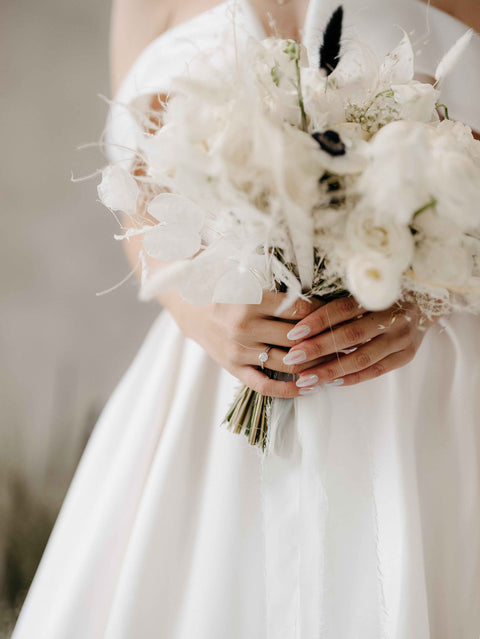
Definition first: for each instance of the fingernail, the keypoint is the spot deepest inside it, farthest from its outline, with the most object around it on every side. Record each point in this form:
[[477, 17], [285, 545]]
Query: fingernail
[[299, 331], [306, 380], [309, 391], [294, 357], [336, 382], [347, 351]]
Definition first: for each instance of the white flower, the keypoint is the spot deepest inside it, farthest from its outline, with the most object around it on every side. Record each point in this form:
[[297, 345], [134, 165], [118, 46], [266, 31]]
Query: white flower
[[397, 67], [177, 235], [323, 105], [374, 280], [357, 71], [430, 225], [395, 185], [416, 101], [472, 245], [118, 190], [439, 264], [456, 135], [387, 238], [455, 183]]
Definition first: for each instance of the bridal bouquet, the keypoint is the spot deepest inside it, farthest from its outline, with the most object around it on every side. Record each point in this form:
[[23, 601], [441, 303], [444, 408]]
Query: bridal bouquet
[[314, 177]]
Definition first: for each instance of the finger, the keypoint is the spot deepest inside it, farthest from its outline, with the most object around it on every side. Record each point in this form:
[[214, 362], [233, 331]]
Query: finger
[[250, 331], [326, 317], [261, 383], [275, 362], [300, 308], [272, 331], [346, 336], [249, 356], [366, 356], [390, 363]]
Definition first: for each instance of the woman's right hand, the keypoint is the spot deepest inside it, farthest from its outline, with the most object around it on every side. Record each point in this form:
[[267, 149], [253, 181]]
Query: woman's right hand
[[235, 334]]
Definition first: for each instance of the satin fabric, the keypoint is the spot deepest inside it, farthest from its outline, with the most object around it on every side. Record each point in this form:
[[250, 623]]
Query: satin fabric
[[363, 523]]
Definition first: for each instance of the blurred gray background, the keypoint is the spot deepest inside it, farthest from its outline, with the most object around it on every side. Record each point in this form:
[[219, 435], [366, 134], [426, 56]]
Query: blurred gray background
[[62, 348]]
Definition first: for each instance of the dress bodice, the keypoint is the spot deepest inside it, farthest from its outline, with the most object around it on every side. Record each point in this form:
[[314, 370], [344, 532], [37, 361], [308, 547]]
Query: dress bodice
[[376, 22]]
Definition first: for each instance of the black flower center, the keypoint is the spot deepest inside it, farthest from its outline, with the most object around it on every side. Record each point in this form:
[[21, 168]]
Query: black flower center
[[330, 142]]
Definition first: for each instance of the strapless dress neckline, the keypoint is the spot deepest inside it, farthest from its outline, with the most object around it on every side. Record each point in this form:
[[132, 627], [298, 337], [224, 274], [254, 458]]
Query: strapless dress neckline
[[376, 22], [248, 6]]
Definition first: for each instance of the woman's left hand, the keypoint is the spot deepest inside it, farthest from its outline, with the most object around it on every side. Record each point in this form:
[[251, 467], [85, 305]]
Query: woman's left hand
[[366, 344]]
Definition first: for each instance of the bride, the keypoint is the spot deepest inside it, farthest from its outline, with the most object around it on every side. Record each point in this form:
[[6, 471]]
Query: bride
[[166, 531]]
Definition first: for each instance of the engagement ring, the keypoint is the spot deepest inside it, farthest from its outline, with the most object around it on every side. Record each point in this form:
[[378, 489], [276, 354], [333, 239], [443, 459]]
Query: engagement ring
[[263, 357]]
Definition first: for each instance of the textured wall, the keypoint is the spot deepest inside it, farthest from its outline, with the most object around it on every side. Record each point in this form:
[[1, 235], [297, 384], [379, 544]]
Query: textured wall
[[62, 349]]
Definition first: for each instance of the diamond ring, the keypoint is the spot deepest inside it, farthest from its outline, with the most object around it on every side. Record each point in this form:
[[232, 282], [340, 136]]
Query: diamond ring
[[263, 357]]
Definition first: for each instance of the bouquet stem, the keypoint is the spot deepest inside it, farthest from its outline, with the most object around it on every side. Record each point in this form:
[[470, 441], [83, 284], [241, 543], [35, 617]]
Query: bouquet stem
[[250, 411], [248, 415]]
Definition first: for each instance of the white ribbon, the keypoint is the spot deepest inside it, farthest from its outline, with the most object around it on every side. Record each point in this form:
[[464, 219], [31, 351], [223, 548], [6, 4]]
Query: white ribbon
[[323, 573], [295, 509]]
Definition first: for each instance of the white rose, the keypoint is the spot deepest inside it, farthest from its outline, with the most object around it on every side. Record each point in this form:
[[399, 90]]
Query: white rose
[[374, 280], [455, 174], [416, 101], [431, 226], [393, 241], [455, 183], [441, 264], [394, 185], [456, 135]]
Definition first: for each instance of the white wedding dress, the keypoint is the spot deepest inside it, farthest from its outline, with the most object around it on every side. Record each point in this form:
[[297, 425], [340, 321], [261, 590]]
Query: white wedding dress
[[175, 528]]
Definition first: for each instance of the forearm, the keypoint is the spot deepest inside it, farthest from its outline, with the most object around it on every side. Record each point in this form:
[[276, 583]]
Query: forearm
[[169, 299], [133, 246]]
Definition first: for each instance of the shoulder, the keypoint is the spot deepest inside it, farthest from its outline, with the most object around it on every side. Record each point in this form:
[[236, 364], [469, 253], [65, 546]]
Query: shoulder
[[133, 25]]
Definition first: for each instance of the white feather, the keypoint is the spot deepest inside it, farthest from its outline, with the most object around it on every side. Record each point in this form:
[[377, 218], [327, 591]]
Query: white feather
[[452, 57]]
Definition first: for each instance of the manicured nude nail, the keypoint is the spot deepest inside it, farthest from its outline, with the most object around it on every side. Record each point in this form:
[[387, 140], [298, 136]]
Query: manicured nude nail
[[306, 380], [299, 331], [309, 391], [336, 382], [294, 357]]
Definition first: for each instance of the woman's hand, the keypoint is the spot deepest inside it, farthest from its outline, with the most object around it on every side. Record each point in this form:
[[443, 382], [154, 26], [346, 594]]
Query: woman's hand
[[234, 336], [366, 344]]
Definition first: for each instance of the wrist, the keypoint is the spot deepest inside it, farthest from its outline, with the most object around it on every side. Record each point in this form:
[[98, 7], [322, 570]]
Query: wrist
[[180, 310]]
